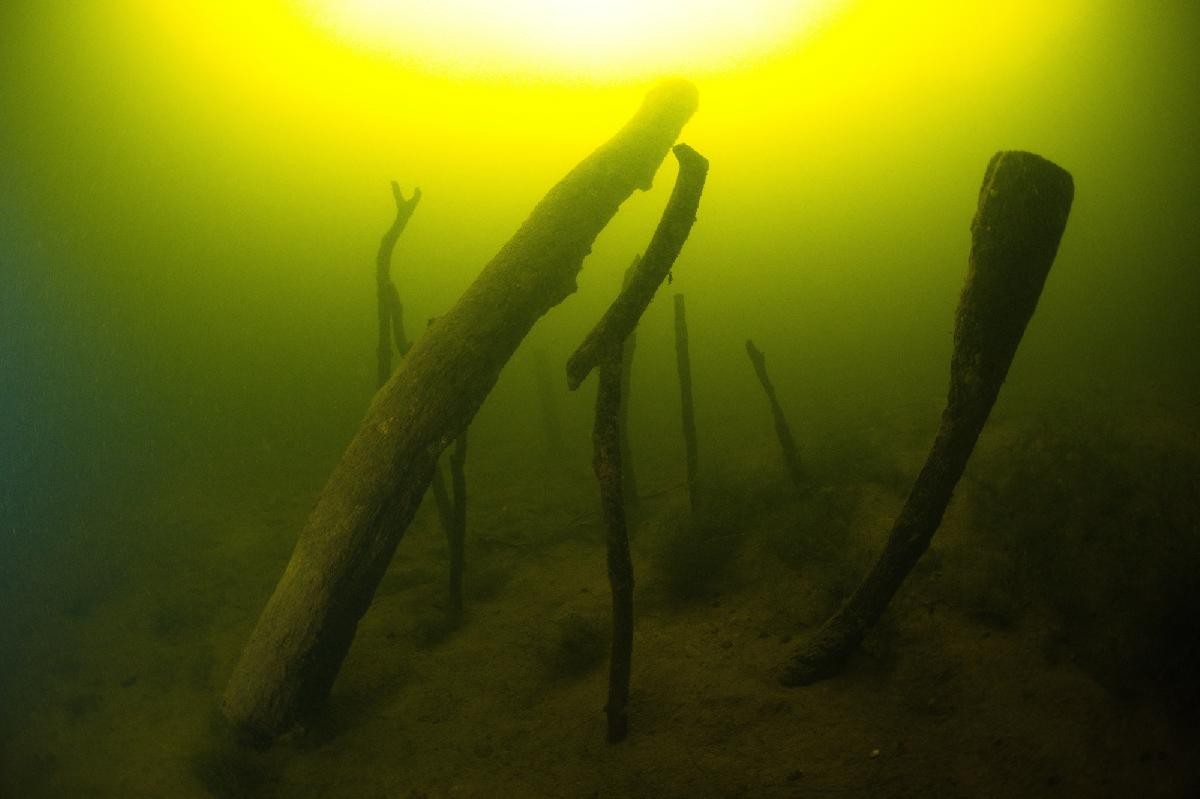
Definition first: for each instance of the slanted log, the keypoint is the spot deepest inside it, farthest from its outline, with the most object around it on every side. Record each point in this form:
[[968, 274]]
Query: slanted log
[[1023, 209], [295, 650]]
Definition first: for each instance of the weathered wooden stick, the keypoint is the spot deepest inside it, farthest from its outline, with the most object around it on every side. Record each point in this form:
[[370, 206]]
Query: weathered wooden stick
[[458, 522], [791, 455], [629, 487], [391, 313], [672, 231], [303, 634], [606, 440], [1023, 209], [684, 365]]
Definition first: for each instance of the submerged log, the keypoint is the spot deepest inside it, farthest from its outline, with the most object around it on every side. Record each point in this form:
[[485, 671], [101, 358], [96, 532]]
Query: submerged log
[[791, 455], [683, 363], [1023, 209], [303, 634], [391, 312]]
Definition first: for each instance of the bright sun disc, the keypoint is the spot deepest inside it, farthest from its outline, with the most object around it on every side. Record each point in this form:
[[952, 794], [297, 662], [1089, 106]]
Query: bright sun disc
[[585, 39]]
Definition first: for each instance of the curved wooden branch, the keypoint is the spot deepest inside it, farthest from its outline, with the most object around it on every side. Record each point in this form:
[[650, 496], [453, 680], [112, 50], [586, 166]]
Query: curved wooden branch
[[1023, 209], [672, 231]]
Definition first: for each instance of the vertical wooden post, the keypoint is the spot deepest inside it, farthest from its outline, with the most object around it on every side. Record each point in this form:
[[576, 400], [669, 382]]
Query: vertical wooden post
[[684, 366], [606, 461]]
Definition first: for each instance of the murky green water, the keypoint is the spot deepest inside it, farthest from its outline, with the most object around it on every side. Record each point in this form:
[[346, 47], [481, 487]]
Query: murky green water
[[187, 318]]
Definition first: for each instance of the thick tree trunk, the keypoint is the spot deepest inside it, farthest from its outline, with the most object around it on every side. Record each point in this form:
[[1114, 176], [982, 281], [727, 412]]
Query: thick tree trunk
[[303, 634], [791, 455], [1023, 209]]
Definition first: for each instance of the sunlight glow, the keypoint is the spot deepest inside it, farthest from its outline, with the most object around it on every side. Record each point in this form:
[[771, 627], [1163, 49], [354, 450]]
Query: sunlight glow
[[582, 39]]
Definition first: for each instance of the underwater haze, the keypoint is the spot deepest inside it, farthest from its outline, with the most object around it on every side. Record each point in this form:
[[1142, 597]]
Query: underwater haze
[[192, 196]]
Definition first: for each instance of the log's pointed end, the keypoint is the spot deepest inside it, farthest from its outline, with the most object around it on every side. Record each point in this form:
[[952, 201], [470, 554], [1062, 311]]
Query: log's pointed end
[[1041, 185], [667, 108]]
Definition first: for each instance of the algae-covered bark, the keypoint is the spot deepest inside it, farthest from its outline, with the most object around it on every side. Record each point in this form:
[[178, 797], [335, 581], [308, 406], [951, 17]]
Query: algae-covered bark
[[303, 634], [1023, 209]]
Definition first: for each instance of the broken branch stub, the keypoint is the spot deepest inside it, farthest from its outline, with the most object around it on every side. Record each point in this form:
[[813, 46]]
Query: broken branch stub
[[1023, 209], [302, 636]]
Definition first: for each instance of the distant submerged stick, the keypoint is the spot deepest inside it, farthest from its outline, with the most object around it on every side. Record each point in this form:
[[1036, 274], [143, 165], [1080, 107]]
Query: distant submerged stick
[[1023, 210], [629, 486], [609, 453], [298, 645], [683, 363], [791, 455], [457, 534], [391, 311]]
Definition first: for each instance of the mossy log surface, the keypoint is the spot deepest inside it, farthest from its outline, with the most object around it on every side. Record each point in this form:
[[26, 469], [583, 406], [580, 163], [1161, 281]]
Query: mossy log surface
[[295, 650], [1023, 208]]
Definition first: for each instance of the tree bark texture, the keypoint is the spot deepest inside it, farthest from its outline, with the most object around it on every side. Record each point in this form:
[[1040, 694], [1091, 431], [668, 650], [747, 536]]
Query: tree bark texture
[[1023, 208], [791, 455], [302, 636], [391, 312], [684, 364]]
